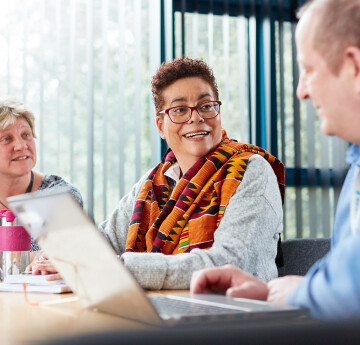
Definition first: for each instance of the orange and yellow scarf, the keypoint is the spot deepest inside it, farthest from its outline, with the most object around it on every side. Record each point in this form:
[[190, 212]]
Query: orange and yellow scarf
[[188, 218]]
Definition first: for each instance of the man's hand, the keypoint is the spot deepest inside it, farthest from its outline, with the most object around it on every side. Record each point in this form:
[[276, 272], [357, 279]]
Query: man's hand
[[280, 288], [228, 280]]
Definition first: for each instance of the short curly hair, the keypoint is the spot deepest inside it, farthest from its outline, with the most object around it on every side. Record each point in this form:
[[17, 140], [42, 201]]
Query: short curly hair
[[170, 72]]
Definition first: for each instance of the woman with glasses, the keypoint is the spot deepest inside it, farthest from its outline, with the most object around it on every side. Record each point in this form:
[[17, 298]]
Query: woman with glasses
[[209, 202]]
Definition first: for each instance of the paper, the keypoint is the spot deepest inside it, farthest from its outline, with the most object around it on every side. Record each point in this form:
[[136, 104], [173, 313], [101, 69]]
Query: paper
[[31, 279], [34, 283]]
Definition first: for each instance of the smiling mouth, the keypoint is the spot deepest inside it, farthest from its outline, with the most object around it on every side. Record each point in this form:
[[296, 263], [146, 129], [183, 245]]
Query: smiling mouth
[[20, 158], [196, 134]]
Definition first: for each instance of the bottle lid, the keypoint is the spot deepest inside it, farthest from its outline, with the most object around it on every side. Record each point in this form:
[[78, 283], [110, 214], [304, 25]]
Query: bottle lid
[[7, 217]]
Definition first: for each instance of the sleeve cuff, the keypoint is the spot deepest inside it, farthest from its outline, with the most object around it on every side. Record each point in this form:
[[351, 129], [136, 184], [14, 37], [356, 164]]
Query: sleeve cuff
[[149, 269]]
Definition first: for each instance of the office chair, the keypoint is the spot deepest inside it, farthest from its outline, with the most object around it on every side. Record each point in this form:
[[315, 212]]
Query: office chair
[[301, 253]]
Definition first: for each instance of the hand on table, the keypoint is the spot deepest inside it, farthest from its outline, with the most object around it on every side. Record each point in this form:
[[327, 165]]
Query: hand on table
[[280, 288], [228, 280], [234, 282], [42, 265]]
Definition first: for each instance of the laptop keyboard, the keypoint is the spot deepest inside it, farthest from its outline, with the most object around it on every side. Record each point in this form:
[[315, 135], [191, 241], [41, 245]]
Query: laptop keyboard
[[172, 307]]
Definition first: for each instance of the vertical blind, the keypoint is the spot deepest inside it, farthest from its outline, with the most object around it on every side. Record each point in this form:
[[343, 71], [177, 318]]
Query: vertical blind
[[251, 48], [84, 68]]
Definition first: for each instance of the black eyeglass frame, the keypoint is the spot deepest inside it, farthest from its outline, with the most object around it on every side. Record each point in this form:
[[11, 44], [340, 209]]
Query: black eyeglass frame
[[166, 111]]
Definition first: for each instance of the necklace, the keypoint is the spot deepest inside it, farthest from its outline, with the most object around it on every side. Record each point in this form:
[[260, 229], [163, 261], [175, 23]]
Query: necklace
[[3, 204], [28, 189]]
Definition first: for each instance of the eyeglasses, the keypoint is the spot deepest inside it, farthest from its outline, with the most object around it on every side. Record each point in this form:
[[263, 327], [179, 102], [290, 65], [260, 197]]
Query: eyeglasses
[[183, 113]]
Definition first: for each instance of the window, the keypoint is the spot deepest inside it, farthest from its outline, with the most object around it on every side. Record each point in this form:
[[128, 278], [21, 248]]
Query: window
[[84, 68], [250, 45]]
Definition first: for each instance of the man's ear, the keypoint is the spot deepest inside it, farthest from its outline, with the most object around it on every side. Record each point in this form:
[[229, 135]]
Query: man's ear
[[160, 126], [352, 55]]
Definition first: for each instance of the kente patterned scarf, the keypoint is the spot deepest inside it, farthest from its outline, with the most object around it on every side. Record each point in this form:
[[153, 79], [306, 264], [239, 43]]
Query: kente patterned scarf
[[188, 218]]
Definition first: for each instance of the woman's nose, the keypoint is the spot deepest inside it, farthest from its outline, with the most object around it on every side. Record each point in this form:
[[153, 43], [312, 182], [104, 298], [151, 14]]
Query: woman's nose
[[195, 117], [20, 144]]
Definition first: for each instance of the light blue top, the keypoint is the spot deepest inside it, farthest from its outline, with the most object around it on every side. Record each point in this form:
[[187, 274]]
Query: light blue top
[[331, 288]]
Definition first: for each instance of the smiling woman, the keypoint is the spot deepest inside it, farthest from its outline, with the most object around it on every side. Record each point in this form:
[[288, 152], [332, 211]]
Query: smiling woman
[[210, 201], [18, 156], [187, 131]]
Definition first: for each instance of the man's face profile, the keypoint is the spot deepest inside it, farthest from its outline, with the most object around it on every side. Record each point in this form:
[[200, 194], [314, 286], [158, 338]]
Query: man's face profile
[[327, 91]]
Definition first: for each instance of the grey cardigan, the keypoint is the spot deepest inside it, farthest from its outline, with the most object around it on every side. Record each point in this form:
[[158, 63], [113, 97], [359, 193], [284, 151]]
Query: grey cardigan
[[246, 237]]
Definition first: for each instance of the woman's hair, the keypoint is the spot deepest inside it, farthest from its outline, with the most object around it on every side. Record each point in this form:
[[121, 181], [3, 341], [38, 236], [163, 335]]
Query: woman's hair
[[11, 109], [169, 72], [337, 27]]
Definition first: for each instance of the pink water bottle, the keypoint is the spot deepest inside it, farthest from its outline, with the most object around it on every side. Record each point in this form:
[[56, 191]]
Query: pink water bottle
[[15, 243]]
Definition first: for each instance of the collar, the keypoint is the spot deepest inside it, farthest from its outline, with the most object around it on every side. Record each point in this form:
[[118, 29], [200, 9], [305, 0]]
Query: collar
[[173, 172], [353, 155]]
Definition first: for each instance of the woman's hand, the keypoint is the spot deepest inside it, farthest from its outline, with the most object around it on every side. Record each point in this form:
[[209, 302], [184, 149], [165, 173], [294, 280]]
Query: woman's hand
[[42, 265]]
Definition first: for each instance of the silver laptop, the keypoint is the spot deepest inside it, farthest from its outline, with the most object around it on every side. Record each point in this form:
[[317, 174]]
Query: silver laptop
[[90, 266]]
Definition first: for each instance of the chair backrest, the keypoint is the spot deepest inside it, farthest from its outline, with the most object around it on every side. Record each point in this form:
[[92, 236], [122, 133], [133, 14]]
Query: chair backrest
[[301, 253]]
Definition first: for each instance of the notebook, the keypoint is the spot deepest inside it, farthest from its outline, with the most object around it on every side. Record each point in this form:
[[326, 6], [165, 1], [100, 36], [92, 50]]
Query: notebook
[[89, 265], [34, 283]]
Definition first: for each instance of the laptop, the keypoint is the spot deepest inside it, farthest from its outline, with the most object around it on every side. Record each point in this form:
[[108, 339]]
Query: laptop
[[90, 266]]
